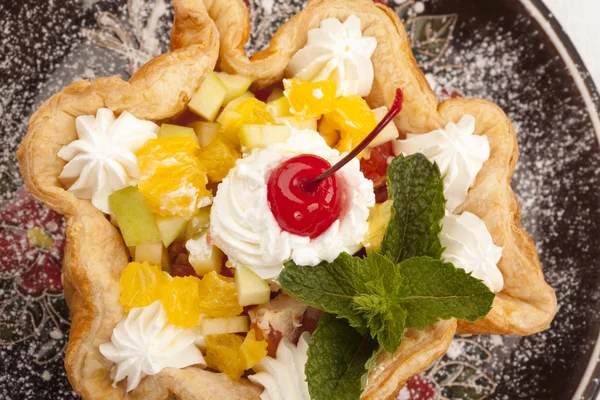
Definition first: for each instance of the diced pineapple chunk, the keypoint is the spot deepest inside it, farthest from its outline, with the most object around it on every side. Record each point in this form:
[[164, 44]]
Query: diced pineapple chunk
[[234, 103], [170, 227], [293, 122], [198, 223], [226, 119], [251, 288], [150, 252], [275, 94], [379, 218], [207, 100], [236, 85], [260, 136], [206, 131], [390, 132], [169, 130], [213, 262], [135, 219], [217, 326], [204, 257], [279, 108]]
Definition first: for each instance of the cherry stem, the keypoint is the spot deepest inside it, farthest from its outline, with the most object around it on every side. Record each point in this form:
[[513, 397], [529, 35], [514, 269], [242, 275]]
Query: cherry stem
[[311, 185]]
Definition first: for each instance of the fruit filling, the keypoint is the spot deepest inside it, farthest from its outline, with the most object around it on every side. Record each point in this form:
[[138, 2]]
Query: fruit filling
[[165, 215], [241, 193]]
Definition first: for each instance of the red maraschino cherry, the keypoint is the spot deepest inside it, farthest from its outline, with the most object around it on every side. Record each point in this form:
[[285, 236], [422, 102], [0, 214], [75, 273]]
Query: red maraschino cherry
[[303, 192]]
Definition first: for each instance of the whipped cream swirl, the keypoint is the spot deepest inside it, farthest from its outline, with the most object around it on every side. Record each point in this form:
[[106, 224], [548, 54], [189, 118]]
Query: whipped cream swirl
[[283, 377], [469, 245], [144, 343], [339, 52], [243, 226], [103, 159], [457, 151]]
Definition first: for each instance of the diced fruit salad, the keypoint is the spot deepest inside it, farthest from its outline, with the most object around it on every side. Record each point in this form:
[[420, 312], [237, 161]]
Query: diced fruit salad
[[179, 173]]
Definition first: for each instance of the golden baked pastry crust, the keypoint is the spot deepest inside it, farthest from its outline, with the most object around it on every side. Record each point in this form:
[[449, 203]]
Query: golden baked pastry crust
[[95, 254]]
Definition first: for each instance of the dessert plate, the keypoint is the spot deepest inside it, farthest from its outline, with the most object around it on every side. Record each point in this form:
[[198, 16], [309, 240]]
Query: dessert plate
[[466, 50]]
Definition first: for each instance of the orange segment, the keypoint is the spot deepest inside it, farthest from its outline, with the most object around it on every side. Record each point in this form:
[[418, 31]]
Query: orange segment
[[253, 350], [232, 355], [329, 132], [352, 118], [218, 296], [180, 300], [310, 100], [223, 354], [172, 178], [218, 157], [141, 284]]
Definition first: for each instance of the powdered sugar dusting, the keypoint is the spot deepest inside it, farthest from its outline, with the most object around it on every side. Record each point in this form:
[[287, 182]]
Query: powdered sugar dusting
[[556, 182], [47, 45]]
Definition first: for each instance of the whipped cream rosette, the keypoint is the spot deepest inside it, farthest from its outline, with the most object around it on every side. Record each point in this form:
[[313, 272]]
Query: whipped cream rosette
[[337, 51], [103, 159]]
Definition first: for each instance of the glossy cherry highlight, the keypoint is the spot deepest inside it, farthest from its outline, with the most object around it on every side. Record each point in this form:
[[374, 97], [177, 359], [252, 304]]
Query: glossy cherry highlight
[[303, 192], [298, 210]]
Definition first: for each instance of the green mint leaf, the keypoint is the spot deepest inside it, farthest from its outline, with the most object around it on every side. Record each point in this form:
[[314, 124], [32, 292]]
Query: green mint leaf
[[377, 296], [337, 360], [417, 191], [438, 290], [328, 286]]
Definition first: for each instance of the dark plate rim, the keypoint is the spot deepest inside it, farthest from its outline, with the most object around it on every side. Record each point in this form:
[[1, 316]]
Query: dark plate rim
[[580, 72], [589, 387]]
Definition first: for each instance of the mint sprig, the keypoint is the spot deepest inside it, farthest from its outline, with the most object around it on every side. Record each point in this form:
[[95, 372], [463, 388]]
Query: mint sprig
[[417, 190], [337, 360], [377, 296]]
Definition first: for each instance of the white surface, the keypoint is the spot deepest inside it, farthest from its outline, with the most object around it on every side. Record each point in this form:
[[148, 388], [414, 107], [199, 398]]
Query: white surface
[[579, 19]]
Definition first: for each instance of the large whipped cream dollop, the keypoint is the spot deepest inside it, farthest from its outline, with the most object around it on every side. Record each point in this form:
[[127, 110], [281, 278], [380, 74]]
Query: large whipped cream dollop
[[469, 245], [243, 226], [103, 159], [339, 52], [283, 377], [457, 151], [144, 343]]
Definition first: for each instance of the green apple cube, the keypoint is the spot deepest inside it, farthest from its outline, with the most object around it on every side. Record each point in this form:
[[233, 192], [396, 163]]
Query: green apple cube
[[169, 130], [251, 288], [297, 124], [170, 227], [233, 105], [135, 219], [260, 136], [236, 85], [218, 326], [206, 131], [275, 94], [149, 252], [198, 223], [203, 264], [279, 108], [207, 100], [390, 132]]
